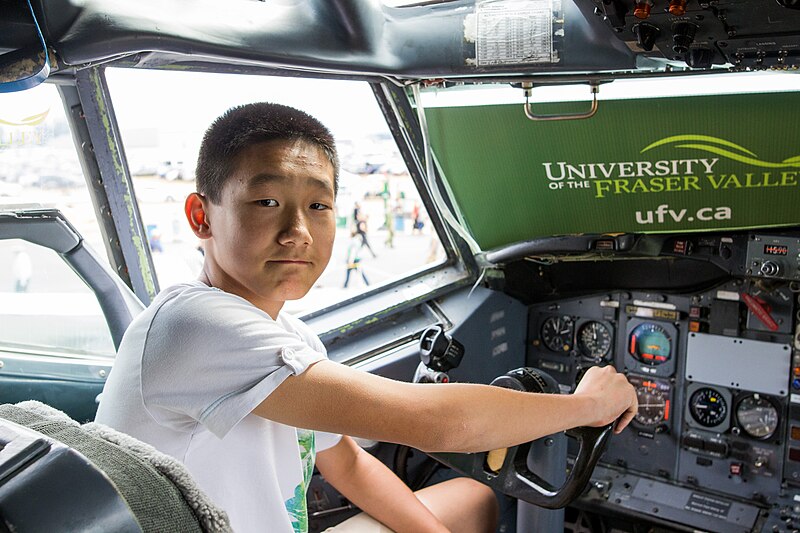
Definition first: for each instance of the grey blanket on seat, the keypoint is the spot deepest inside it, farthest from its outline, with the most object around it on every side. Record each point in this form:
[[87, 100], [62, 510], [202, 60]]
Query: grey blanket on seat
[[158, 489]]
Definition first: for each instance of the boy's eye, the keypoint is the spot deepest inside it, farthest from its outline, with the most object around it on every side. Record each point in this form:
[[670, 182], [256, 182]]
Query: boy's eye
[[268, 202], [319, 207]]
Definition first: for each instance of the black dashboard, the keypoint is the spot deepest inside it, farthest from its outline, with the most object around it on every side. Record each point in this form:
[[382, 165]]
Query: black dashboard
[[715, 360]]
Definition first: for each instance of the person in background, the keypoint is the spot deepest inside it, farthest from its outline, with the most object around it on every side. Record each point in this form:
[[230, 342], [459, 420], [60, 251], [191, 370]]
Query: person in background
[[21, 269], [417, 224], [360, 221], [154, 238], [353, 259], [399, 215], [388, 219]]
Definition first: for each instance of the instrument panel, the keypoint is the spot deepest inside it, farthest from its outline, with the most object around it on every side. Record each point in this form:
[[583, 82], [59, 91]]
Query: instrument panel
[[717, 435]]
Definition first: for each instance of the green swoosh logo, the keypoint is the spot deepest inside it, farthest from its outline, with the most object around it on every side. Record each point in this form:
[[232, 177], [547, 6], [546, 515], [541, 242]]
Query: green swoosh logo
[[33, 120], [722, 148]]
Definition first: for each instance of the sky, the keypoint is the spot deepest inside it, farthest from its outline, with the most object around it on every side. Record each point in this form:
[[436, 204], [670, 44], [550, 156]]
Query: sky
[[193, 100]]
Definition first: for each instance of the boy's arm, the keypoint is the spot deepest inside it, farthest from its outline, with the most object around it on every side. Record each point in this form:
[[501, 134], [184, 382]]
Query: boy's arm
[[443, 417], [375, 489]]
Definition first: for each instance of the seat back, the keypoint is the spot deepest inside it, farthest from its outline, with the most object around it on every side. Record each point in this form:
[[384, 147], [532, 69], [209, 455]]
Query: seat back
[[157, 488]]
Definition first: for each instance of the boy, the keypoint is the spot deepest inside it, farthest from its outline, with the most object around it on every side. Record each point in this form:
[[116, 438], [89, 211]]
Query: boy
[[215, 375]]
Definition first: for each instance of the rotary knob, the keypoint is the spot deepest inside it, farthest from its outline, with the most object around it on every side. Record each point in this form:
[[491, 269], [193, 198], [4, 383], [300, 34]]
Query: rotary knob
[[700, 57], [770, 268], [646, 35], [683, 36]]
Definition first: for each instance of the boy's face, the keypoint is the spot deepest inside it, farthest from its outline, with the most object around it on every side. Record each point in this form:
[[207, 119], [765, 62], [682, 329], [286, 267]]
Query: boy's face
[[272, 234]]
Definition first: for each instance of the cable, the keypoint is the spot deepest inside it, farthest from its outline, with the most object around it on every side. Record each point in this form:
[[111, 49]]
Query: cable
[[429, 174]]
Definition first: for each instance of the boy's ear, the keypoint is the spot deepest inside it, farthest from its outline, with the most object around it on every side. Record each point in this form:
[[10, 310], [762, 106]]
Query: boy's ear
[[195, 209]]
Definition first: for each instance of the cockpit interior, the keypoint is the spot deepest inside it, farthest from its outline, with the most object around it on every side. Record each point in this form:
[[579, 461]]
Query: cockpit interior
[[586, 183]]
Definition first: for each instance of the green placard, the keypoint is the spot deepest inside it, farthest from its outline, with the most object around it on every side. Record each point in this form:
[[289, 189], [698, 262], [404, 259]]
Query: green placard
[[664, 164]]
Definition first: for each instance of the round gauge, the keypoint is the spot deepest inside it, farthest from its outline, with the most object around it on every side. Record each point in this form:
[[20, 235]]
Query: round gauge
[[650, 344], [557, 333], [652, 405], [708, 407], [757, 416], [594, 340]]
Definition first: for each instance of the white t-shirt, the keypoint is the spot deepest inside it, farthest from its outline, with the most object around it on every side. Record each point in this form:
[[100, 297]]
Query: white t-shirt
[[188, 373]]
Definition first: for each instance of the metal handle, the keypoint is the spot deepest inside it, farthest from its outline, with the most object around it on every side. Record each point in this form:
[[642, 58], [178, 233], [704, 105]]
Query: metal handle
[[528, 88]]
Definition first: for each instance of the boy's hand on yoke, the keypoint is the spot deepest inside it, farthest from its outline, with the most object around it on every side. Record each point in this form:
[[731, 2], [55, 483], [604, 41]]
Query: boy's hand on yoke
[[612, 396]]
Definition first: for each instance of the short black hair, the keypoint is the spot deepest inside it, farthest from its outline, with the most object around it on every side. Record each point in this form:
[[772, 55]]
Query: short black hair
[[242, 126]]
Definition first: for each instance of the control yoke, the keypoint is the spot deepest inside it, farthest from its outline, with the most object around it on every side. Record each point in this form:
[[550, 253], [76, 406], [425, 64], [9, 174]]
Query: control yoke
[[507, 470]]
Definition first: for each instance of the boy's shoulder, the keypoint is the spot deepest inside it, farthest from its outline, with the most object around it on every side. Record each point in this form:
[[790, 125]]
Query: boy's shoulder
[[196, 301], [184, 289], [194, 309], [196, 297], [292, 323], [197, 306]]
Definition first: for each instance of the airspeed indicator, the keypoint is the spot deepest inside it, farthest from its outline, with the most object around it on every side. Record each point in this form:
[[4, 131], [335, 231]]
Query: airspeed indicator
[[594, 340]]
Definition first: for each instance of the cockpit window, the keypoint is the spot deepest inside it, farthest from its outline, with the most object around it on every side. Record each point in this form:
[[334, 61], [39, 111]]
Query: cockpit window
[[47, 309], [653, 158], [383, 231], [39, 167]]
